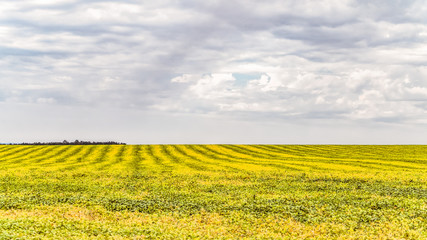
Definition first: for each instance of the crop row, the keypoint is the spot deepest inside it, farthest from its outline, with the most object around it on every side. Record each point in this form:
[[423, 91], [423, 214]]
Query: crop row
[[216, 157], [224, 191]]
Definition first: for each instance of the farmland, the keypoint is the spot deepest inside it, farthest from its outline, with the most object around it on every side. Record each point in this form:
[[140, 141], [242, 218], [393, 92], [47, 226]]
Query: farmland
[[213, 191]]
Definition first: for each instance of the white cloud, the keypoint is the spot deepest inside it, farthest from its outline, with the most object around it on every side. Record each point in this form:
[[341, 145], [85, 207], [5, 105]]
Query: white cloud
[[45, 100], [246, 59], [355, 94], [214, 86], [186, 78]]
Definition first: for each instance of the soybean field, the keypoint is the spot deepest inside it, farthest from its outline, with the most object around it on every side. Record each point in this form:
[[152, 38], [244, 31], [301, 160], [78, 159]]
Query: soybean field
[[213, 192]]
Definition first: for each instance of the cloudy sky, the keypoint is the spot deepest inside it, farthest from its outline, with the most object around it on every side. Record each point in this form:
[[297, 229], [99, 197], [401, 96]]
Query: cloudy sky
[[215, 71]]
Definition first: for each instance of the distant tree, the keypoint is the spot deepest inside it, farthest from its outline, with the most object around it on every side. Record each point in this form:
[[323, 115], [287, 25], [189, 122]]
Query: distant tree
[[65, 142]]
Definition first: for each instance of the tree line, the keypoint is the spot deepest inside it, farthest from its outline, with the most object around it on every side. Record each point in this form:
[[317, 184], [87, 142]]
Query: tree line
[[65, 142]]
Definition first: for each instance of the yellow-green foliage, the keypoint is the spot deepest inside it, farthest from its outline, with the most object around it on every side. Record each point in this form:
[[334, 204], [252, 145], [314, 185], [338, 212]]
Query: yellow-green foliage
[[213, 191]]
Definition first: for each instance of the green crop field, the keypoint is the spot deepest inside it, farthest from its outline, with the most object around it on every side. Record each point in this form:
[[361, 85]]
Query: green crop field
[[213, 191]]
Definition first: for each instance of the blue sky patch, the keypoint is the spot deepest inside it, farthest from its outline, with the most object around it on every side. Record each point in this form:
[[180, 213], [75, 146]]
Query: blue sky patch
[[242, 79]]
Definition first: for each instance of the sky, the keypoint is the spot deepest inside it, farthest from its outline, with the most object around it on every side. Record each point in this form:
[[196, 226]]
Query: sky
[[214, 71]]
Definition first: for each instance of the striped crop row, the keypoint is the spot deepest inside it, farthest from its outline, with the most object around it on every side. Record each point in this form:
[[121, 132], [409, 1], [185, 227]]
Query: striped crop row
[[214, 158]]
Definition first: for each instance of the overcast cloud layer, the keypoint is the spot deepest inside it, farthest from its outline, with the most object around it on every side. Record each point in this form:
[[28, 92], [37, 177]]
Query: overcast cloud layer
[[210, 71]]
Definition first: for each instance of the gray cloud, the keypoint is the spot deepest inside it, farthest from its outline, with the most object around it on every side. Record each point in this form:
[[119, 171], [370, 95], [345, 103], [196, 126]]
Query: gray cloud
[[257, 61]]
